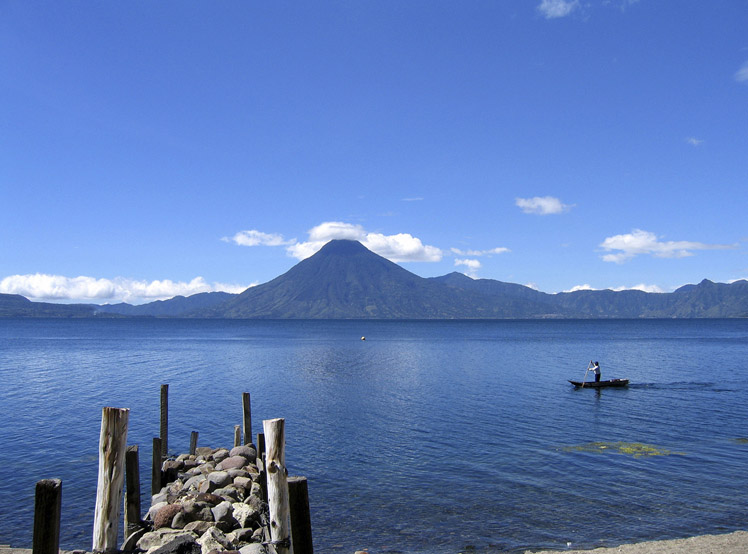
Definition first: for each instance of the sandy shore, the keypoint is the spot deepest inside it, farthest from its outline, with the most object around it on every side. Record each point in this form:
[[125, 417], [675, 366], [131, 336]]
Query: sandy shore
[[731, 543]]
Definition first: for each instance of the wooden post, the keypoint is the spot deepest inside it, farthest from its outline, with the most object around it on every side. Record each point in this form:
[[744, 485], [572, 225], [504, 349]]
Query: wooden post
[[193, 442], [260, 444], [132, 499], [164, 434], [261, 466], [156, 467], [47, 517], [301, 521], [112, 445], [247, 420], [277, 476], [237, 435]]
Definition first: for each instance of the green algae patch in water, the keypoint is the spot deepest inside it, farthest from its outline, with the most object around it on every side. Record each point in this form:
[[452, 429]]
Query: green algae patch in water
[[635, 449], [741, 440]]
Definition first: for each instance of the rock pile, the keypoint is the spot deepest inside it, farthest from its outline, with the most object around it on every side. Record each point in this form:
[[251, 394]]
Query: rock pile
[[212, 502]]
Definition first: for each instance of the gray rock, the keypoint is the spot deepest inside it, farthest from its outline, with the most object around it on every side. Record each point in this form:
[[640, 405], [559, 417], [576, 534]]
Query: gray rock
[[206, 486], [183, 544], [179, 521], [158, 538], [211, 499], [219, 478], [254, 548], [256, 490], [195, 510], [223, 512], [243, 482], [131, 542], [230, 493], [213, 539], [232, 462], [198, 527], [245, 515], [203, 451], [193, 482], [243, 535], [220, 455], [247, 451]]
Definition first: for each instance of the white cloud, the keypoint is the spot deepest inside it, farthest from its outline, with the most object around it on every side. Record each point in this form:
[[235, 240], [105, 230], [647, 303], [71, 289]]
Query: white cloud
[[89, 289], [552, 9], [472, 266], [642, 287], [741, 75], [693, 141], [630, 245], [401, 247], [257, 238], [542, 205], [499, 250], [580, 287]]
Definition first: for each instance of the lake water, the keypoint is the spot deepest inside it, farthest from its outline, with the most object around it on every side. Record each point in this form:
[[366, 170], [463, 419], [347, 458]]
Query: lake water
[[430, 436]]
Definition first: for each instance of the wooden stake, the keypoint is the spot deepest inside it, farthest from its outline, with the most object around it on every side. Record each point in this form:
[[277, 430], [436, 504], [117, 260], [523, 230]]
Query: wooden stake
[[261, 466], [193, 442], [47, 517], [164, 434], [247, 420], [132, 499], [237, 435], [301, 521], [277, 477], [156, 467], [112, 445]]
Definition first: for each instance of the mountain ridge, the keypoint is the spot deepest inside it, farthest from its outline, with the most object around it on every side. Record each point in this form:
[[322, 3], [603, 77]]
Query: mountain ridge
[[345, 280]]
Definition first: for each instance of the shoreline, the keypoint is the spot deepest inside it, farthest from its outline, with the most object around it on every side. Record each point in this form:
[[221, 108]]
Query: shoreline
[[735, 542]]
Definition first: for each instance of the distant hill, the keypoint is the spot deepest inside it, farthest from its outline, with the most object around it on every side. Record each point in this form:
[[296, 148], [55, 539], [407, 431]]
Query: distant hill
[[15, 305], [345, 280], [174, 307]]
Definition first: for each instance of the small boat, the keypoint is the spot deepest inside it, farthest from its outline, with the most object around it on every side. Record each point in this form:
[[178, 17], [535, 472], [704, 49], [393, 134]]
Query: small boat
[[600, 384]]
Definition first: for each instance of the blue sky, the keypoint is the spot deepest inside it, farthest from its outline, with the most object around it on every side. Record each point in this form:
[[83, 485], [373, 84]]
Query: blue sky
[[149, 149]]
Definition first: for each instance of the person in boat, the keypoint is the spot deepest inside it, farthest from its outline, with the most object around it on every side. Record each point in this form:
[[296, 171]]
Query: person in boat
[[596, 370]]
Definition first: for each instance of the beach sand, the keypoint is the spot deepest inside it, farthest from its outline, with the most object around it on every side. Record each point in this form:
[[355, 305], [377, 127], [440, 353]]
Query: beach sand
[[730, 543]]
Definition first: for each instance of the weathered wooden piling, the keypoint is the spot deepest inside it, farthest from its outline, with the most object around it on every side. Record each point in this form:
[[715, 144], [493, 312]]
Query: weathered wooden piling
[[277, 482], [47, 517], [301, 521], [132, 498], [247, 419], [193, 442], [261, 465], [237, 435], [156, 466], [164, 432], [112, 445]]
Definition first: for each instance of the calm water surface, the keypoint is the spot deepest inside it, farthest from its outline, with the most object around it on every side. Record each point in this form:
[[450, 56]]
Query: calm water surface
[[426, 437]]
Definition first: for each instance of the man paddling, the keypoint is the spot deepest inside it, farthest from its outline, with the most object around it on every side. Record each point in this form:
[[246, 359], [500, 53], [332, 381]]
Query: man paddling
[[596, 370]]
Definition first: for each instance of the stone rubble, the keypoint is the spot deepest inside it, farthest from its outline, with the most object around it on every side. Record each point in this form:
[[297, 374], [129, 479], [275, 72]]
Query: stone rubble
[[212, 502]]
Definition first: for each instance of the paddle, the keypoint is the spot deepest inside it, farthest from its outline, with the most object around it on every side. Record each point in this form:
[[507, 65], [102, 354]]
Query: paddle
[[585, 373]]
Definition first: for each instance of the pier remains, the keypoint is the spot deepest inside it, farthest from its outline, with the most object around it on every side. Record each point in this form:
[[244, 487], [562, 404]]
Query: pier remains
[[207, 501]]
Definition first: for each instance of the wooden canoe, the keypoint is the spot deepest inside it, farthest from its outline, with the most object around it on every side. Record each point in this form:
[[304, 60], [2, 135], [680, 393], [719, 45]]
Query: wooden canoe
[[600, 384]]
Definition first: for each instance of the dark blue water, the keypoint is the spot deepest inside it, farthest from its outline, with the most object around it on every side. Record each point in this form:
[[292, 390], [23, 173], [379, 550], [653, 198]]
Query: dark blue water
[[426, 437]]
